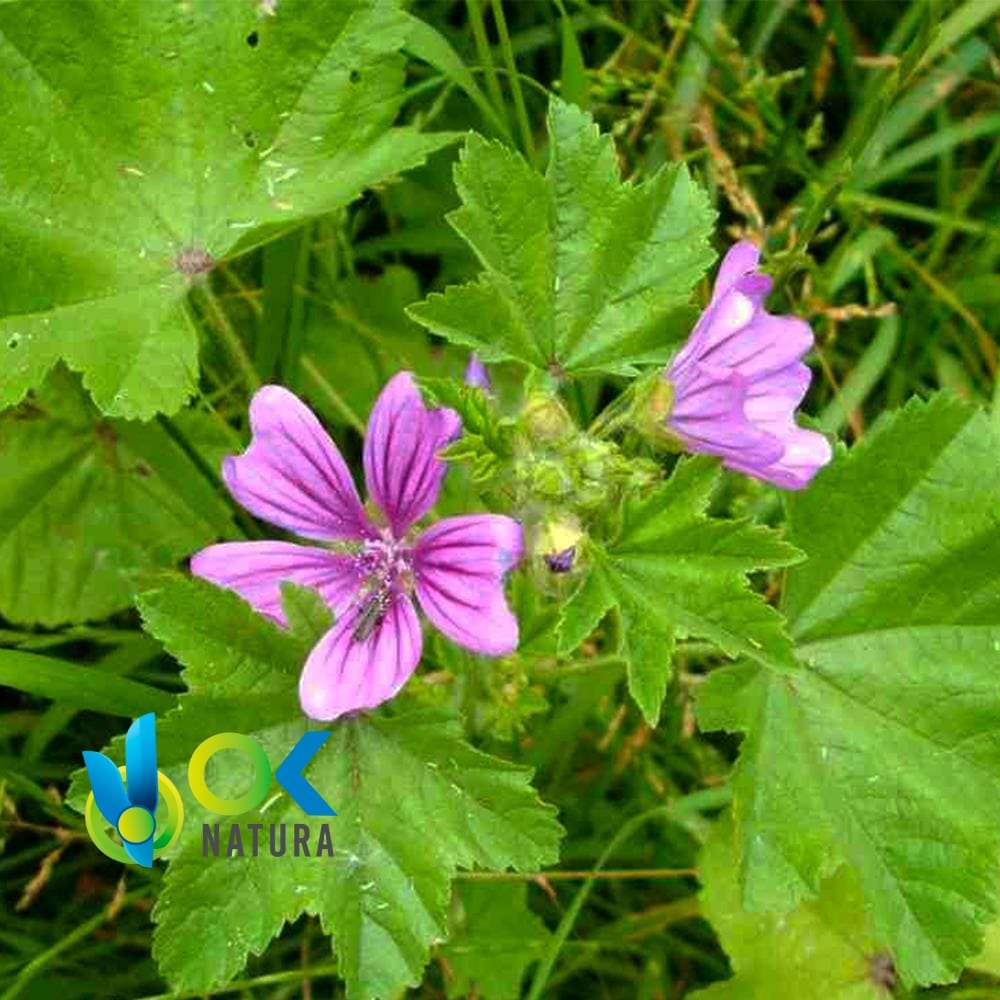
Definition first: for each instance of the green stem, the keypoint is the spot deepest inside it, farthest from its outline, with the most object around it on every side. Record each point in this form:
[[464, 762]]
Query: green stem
[[711, 798], [228, 334], [237, 985], [515, 82], [485, 53], [339, 403], [615, 414], [79, 933]]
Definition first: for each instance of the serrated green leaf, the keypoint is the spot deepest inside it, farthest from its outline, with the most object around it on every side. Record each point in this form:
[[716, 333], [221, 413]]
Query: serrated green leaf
[[191, 140], [883, 751], [596, 276], [308, 615], [487, 437], [671, 571], [584, 610], [822, 949], [494, 938], [87, 503], [414, 803]]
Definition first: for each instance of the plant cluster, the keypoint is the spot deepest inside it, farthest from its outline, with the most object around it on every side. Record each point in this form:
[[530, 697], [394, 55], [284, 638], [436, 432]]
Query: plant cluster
[[584, 415]]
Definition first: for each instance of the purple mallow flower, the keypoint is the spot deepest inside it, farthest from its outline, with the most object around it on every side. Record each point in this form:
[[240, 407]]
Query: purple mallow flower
[[740, 376], [476, 373], [293, 476]]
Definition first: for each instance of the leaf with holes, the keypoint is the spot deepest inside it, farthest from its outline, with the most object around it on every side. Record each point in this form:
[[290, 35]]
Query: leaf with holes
[[87, 503], [212, 129], [414, 803], [882, 750], [673, 571], [582, 272]]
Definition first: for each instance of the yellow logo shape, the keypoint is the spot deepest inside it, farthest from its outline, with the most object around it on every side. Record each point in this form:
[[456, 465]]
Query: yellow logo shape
[[133, 824]]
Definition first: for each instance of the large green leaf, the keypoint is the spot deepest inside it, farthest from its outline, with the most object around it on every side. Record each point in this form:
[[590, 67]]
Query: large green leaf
[[883, 749], [583, 272], [672, 571], [494, 938], [414, 802], [988, 959], [145, 140], [824, 949], [85, 503]]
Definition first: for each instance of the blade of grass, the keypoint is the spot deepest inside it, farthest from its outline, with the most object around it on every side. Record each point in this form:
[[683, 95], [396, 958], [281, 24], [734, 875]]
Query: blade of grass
[[714, 798], [514, 82], [957, 25], [917, 213], [573, 70], [939, 142], [862, 378], [485, 52], [920, 99], [965, 200], [121, 661], [80, 686], [79, 933], [987, 345], [427, 43]]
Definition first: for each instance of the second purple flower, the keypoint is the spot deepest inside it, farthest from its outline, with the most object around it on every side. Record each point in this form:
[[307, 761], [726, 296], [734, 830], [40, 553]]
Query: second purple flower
[[737, 381], [293, 476]]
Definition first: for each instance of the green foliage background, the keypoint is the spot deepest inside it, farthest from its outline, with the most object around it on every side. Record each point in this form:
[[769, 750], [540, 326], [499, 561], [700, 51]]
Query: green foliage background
[[751, 748]]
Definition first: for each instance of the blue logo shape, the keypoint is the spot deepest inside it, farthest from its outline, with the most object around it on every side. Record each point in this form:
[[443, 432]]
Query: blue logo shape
[[129, 806], [289, 775]]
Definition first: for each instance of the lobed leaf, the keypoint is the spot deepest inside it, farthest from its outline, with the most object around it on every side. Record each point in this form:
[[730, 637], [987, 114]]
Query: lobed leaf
[[414, 803], [582, 272], [212, 129], [87, 504], [822, 949], [671, 571], [883, 750]]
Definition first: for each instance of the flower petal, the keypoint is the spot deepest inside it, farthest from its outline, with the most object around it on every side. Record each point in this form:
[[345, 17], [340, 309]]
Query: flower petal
[[477, 374], [343, 674], [741, 260], [805, 453], [737, 300], [710, 417], [402, 469], [459, 565], [739, 378], [764, 345], [292, 475], [772, 399], [255, 570]]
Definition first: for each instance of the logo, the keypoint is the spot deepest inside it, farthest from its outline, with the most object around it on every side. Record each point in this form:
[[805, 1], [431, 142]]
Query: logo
[[142, 805], [128, 796]]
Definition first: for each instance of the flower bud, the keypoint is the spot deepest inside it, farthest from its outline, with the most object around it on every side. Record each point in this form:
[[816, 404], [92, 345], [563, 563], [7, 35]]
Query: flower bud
[[545, 419], [653, 404], [557, 540], [561, 562], [476, 374]]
